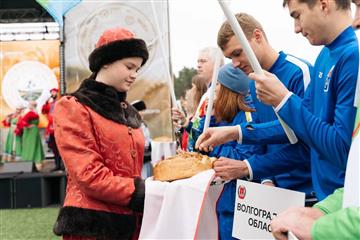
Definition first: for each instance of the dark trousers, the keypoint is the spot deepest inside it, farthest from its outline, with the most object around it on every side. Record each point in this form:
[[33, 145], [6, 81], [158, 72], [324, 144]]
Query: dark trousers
[[52, 145]]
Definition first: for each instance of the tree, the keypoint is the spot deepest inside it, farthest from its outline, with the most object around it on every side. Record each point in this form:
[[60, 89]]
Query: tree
[[183, 81]]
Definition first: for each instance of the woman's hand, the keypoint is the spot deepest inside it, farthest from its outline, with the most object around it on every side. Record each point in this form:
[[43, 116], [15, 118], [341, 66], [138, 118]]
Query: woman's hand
[[229, 169], [179, 119], [216, 136]]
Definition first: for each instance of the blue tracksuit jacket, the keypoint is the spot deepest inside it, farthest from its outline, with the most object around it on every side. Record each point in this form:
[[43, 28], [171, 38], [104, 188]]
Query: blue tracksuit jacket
[[295, 74], [226, 202]]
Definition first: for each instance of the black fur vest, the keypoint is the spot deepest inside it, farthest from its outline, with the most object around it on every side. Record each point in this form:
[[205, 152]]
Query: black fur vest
[[108, 102]]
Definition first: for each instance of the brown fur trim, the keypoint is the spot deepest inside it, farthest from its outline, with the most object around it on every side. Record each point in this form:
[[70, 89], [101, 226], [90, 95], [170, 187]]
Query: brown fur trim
[[107, 102], [82, 222], [117, 50]]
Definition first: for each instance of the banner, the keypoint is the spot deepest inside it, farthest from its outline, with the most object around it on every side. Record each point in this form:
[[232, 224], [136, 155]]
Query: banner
[[88, 20], [256, 205], [28, 70]]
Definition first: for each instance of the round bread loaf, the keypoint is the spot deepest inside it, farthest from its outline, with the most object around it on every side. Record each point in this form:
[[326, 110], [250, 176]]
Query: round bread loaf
[[182, 165]]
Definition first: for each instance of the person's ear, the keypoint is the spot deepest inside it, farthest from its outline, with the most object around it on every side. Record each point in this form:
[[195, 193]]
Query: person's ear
[[257, 35], [325, 5], [356, 24]]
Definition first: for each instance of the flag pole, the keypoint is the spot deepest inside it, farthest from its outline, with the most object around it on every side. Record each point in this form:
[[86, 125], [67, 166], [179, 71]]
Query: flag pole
[[212, 88], [162, 48], [252, 60]]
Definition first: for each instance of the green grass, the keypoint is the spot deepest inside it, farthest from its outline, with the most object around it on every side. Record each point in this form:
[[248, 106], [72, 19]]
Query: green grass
[[35, 223]]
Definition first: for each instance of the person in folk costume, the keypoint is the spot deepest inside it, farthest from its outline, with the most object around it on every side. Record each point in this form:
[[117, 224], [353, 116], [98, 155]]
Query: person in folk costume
[[32, 149], [13, 141], [48, 110], [101, 142]]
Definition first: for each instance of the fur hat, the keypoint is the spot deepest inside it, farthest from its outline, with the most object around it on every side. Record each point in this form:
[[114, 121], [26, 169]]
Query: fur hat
[[115, 44], [234, 79]]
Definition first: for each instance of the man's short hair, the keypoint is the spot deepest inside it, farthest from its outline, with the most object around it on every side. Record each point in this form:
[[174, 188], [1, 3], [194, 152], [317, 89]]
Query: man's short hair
[[342, 4], [248, 24]]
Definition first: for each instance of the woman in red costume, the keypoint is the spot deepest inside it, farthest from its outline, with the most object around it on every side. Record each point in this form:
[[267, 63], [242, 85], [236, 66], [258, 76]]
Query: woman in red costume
[[102, 145], [27, 127]]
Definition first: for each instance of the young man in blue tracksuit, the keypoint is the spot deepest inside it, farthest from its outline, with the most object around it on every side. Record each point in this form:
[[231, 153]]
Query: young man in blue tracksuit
[[294, 73], [322, 221], [324, 118]]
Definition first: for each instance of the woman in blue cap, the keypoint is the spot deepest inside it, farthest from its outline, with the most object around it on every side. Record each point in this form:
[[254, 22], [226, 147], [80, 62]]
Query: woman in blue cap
[[232, 107]]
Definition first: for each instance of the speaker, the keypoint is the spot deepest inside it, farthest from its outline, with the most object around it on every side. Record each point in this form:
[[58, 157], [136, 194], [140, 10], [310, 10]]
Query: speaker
[[6, 191], [29, 191], [18, 167], [38, 189]]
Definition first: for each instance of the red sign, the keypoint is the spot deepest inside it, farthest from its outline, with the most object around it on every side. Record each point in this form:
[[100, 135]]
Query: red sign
[[242, 191]]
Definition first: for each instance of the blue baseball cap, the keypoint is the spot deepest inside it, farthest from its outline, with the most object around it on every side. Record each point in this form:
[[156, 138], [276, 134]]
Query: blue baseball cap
[[234, 79]]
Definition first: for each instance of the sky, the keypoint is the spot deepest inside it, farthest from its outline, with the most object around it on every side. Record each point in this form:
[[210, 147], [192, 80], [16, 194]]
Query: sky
[[194, 24]]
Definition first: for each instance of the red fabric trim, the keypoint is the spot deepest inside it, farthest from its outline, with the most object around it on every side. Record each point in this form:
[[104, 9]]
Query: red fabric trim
[[184, 140], [25, 122], [202, 206], [31, 115], [46, 108], [5, 123], [356, 130]]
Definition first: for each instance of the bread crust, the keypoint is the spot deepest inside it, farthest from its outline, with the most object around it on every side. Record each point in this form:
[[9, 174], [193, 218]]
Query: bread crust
[[182, 165]]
